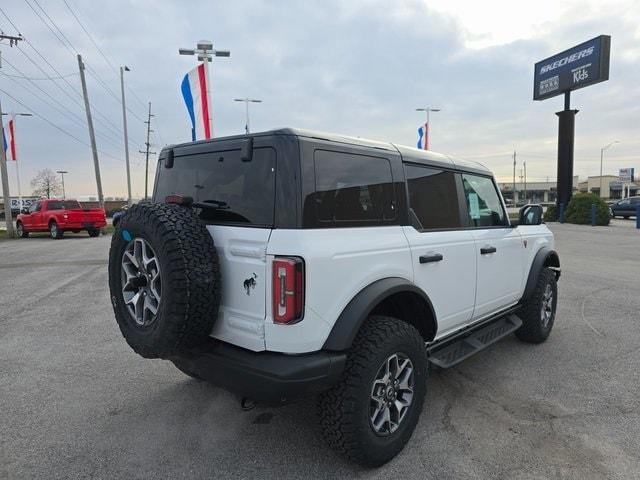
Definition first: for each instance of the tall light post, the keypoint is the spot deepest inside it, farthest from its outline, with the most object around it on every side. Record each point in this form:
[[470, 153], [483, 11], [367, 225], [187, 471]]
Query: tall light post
[[601, 158], [246, 100], [205, 52], [428, 110], [126, 135], [13, 115], [62, 172]]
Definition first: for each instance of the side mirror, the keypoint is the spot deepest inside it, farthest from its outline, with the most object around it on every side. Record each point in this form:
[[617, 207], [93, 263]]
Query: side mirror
[[24, 210], [530, 215]]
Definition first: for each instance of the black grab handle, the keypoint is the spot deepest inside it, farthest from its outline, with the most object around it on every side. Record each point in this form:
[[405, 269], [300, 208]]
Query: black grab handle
[[485, 250], [436, 257]]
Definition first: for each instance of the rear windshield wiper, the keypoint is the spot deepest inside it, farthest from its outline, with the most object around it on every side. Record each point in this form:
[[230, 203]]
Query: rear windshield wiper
[[214, 204], [188, 202]]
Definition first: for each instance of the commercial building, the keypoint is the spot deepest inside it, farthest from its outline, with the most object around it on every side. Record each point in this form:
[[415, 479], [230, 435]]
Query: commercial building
[[532, 192], [612, 188]]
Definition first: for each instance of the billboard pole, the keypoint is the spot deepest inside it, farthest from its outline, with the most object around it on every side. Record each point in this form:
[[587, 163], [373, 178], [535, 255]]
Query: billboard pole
[[566, 134]]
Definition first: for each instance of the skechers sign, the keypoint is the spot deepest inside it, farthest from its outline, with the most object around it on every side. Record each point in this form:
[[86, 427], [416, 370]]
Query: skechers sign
[[578, 67]]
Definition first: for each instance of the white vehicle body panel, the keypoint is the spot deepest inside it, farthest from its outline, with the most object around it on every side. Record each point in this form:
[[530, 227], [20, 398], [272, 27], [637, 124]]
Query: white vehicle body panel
[[338, 264], [242, 257], [451, 283], [500, 274]]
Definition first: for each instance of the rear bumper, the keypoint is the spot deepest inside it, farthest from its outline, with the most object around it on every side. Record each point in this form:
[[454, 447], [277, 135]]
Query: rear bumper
[[266, 377], [83, 225]]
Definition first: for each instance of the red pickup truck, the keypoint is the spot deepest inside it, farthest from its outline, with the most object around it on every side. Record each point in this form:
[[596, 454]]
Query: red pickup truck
[[57, 216]]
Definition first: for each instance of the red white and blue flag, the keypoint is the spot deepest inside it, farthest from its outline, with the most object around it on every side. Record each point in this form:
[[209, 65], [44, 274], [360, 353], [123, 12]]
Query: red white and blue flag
[[10, 140], [195, 91], [423, 137]]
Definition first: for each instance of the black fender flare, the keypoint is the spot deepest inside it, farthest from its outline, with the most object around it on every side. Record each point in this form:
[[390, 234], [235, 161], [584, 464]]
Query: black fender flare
[[362, 304], [544, 258]]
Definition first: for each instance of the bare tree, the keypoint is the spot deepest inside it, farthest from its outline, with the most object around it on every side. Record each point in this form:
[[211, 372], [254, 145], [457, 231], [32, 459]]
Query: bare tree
[[46, 184]]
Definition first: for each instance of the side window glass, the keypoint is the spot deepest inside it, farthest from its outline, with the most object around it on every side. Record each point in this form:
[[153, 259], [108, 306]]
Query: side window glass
[[433, 197], [350, 191], [35, 207], [483, 202]]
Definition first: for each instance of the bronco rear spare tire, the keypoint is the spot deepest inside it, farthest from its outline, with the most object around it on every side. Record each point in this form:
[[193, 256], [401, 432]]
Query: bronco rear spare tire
[[164, 279]]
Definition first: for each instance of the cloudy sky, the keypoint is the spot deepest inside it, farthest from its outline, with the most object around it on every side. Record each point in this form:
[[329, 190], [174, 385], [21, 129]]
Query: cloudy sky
[[352, 67]]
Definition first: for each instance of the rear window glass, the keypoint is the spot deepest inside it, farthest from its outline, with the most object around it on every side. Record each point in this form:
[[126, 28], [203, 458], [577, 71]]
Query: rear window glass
[[351, 191], [63, 205], [239, 192]]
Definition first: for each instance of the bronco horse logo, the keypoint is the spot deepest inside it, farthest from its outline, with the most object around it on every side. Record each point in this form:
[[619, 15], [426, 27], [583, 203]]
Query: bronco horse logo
[[250, 283]]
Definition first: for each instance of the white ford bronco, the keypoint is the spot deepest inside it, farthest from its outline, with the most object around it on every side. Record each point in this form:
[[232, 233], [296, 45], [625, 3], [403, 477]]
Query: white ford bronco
[[293, 263]]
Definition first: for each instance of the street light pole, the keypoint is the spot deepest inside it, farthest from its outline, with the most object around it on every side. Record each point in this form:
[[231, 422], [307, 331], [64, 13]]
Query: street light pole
[[126, 135], [205, 52], [246, 101], [62, 172], [601, 158], [428, 133]]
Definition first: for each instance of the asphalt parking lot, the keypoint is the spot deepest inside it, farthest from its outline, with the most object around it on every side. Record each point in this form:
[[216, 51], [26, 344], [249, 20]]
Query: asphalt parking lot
[[76, 402]]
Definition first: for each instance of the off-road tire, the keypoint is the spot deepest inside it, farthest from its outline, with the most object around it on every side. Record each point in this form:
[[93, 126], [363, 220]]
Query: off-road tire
[[93, 232], [189, 275], [22, 233], [532, 329], [54, 231], [344, 409]]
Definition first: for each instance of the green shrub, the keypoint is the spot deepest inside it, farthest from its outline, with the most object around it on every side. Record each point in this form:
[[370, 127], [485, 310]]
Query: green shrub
[[579, 210], [551, 215]]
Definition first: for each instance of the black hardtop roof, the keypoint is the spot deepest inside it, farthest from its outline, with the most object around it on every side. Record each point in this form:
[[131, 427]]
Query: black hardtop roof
[[409, 154]]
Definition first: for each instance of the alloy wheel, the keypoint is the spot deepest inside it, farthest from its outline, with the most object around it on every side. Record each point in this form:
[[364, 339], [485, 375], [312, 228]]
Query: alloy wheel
[[391, 394], [546, 310], [141, 286]]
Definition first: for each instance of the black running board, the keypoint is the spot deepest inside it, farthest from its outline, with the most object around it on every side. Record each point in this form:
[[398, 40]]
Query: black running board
[[451, 353]]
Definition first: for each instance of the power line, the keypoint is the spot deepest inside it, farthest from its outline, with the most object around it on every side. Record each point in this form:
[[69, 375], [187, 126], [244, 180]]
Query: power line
[[39, 79], [106, 59], [73, 50], [9, 20], [56, 126]]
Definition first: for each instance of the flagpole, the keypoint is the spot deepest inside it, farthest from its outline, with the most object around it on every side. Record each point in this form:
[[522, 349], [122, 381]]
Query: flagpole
[[206, 72]]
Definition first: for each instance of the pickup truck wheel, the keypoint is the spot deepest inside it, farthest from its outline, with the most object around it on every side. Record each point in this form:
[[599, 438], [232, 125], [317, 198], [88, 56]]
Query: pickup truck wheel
[[538, 313], [55, 231], [371, 413], [164, 279], [94, 232], [22, 233]]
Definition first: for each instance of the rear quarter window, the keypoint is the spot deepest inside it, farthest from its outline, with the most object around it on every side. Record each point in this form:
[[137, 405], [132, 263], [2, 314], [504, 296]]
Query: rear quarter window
[[351, 190]]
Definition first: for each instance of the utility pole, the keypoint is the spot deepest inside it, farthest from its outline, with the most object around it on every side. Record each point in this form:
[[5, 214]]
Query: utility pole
[[92, 135], [62, 172], [126, 137], [514, 179], [246, 101], [147, 152], [8, 217]]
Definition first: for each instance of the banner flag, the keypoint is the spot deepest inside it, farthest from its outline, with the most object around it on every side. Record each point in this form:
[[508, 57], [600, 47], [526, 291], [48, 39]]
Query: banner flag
[[195, 93], [423, 137]]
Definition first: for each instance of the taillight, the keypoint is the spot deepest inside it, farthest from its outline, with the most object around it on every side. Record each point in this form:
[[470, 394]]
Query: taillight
[[288, 289]]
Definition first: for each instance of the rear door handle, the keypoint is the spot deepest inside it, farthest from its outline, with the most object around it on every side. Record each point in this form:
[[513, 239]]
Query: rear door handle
[[434, 257], [486, 250]]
